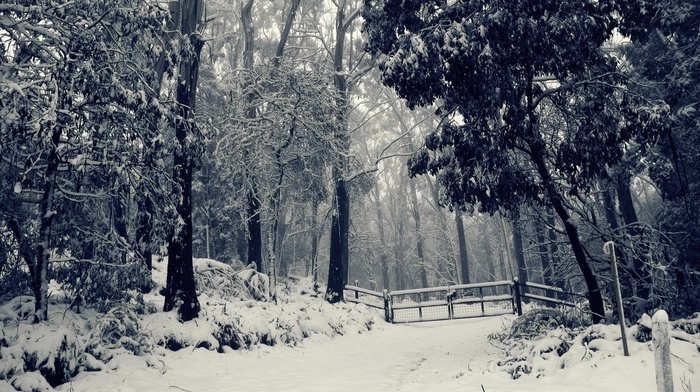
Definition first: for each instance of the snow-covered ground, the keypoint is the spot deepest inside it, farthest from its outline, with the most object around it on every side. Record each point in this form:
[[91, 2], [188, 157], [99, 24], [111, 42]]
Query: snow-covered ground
[[436, 356], [302, 343]]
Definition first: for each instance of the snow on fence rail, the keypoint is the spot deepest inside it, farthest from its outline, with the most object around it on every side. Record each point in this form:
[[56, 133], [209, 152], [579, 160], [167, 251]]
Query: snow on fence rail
[[455, 301]]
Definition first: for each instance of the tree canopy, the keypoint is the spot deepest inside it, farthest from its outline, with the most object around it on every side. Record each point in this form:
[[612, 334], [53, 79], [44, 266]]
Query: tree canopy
[[534, 105]]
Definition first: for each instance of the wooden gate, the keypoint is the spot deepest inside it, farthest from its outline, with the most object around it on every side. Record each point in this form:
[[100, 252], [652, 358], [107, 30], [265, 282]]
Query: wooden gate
[[457, 301]]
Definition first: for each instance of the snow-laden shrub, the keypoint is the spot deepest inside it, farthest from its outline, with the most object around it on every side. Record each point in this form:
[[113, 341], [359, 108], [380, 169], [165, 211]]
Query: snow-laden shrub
[[102, 286], [537, 356], [641, 331], [257, 284], [57, 355], [30, 382], [11, 361], [117, 331], [536, 323], [18, 308], [689, 325], [216, 278], [224, 324]]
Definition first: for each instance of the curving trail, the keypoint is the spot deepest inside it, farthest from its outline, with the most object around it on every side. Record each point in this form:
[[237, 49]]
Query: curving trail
[[436, 356]]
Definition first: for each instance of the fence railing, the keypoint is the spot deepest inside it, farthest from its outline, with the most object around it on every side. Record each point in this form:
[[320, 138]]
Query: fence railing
[[456, 301]]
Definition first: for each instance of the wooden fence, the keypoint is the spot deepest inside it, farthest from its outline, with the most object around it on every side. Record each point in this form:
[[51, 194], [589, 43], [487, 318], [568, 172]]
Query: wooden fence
[[457, 301]]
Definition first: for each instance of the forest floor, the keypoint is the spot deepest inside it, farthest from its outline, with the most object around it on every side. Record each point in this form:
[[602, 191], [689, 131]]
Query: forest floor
[[302, 343], [435, 356]]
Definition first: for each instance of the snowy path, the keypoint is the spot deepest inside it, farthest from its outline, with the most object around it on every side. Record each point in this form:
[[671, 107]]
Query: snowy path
[[437, 356]]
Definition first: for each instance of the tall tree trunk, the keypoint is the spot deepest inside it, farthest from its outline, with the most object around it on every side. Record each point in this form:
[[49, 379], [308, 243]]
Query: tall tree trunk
[[629, 216], [314, 241], [43, 248], [145, 205], [274, 236], [463, 257], [119, 202], [384, 264], [399, 253], [275, 200], [519, 252], [543, 253], [444, 244], [254, 230], [508, 264], [627, 278], [340, 223], [595, 297], [419, 236], [144, 237], [180, 286], [255, 251]]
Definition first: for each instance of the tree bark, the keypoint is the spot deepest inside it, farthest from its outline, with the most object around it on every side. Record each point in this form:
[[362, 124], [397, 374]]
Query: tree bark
[[543, 253], [595, 298], [314, 241], [180, 286], [445, 243], [519, 252], [340, 224], [144, 237], [419, 236], [338, 262], [463, 258], [643, 282], [382, 239], [43, 249], [254, 230], [255, 251], [559, 280]]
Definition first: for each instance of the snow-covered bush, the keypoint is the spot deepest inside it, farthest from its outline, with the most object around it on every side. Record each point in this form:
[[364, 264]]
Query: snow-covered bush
[[234, 315], [117, 331], [641, 331], [537, 322], [18, 308], [57, 355], [30, 382], [689, 325], [216, 278], [258, 284], [102, 286], [525, 356]]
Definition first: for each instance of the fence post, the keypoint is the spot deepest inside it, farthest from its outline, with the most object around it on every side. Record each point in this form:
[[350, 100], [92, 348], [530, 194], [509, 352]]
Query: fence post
[[357, 293], [450, 309], [662, 351], [481, 296], [609, 249], [517, 299], [387, 310]]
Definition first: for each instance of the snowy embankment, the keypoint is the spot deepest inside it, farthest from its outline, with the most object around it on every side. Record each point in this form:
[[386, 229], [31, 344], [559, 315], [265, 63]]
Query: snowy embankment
[[296, 345]]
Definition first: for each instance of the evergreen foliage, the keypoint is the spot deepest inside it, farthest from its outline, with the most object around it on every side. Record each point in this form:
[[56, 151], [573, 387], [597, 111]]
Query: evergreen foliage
[[532, 102]]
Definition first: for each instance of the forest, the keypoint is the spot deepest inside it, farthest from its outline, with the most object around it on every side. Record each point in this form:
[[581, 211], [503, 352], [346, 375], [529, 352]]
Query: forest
[[399, 144]]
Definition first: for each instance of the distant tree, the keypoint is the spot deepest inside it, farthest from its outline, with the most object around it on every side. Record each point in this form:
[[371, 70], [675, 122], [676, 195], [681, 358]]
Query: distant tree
[[532, 103]]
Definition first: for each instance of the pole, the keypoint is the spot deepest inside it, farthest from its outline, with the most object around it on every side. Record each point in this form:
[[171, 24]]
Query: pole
[[609, 249], [518, 300], [662, 351]]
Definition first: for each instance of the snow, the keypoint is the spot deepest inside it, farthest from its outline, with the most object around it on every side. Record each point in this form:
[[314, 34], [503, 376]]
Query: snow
[[436, 356], [302, 343]]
